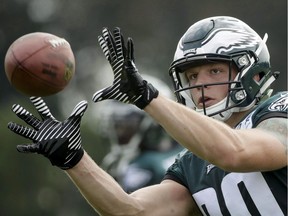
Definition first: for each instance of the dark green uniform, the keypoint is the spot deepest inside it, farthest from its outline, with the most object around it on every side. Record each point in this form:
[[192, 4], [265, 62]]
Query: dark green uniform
[[218, 192], [148, 168]]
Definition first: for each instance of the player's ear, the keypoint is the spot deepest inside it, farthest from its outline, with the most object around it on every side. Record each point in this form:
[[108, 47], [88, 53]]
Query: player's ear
[[256, 77]]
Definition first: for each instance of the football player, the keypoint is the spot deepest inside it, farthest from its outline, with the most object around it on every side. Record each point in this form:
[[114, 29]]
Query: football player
[[234, 130]]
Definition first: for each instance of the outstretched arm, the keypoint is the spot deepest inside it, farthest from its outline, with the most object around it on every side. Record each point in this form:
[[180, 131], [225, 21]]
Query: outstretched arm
[[260, 149], [232, 150], [60, 142], [106, 196]]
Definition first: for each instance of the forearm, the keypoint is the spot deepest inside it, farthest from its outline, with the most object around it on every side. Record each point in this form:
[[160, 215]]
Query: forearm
[[198, 133], [214, 141], [101, 191]]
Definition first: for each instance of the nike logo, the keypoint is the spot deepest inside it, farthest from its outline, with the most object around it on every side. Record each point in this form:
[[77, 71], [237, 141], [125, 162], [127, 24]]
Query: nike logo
[[209, 168]]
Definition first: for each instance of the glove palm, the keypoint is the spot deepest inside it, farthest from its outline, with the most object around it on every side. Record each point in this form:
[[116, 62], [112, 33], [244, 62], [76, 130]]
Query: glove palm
[[59, 141]]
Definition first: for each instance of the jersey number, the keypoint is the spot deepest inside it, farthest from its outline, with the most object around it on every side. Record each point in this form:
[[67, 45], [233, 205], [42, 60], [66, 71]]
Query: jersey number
[[259, 199]]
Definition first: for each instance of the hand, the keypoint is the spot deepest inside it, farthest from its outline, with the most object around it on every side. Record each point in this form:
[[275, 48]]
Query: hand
[[60, 142], [128, 85]]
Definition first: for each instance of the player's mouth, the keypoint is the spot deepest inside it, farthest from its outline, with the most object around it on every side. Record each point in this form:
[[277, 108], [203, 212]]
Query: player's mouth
[[205, 100]]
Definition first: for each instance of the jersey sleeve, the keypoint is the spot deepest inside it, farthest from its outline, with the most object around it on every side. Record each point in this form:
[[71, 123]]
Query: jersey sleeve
[[175, 172]]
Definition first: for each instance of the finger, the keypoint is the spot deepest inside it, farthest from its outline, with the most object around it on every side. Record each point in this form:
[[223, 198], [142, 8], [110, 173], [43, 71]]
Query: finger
[[107, 35], [119, 42], [31, 148], [72, 124], [101, 94], [111, 92], [104, 47], [79, 109], [22, 130], [102, 40], [41, 107], [26, 116], [130, 50]]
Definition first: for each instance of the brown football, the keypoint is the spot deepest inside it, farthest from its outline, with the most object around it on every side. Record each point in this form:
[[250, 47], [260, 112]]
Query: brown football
[[39, 64]]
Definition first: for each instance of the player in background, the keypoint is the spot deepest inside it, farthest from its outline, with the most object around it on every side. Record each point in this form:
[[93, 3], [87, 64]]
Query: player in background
[[234, 131], [141, 151]]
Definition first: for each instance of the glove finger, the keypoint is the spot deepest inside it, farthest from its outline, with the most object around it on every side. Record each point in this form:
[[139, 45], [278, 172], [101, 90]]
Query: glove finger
[[100, 94], [130, 50], [116, 65], [72, 124], [104, 47], [31, 148], [22, 130], [106, 93], [41, 107], [111, 92], [119, 42], [23, 114], [79, 109], [107, 35]]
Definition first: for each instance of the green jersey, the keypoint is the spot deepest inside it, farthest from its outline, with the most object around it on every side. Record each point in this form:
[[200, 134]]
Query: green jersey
[[148, 168], [219, 192]]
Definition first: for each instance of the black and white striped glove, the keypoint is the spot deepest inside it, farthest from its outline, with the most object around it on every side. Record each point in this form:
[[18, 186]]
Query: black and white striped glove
[[128, 85], [59, 141]]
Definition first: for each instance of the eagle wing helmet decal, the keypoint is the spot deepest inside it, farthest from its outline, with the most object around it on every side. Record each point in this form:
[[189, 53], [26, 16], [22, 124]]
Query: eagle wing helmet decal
[[224, 40]]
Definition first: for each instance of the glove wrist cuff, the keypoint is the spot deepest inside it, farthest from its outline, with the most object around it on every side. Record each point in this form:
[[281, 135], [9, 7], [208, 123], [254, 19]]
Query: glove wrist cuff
[[150, 92], [75, 160]]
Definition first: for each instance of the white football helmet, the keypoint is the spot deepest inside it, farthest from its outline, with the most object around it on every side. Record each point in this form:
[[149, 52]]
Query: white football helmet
[[224, 39]]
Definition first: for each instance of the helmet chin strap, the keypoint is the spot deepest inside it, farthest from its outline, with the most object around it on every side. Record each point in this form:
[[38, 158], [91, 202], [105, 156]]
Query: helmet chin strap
[[221, 116], [209, 111]]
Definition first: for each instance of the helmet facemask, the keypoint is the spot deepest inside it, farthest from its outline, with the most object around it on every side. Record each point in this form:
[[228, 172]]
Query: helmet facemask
[[222, 109]]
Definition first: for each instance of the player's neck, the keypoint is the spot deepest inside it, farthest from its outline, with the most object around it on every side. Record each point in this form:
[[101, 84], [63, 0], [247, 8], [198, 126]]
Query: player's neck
[[236, 118]]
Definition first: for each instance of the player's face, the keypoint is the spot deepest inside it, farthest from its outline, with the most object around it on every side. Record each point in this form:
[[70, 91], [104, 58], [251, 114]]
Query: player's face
[[209, 74]]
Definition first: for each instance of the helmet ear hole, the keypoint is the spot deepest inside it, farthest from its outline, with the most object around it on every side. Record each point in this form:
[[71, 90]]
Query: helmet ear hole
[[259, 76]]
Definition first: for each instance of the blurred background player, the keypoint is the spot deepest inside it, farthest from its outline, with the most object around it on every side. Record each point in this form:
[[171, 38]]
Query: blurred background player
[[141, 151]]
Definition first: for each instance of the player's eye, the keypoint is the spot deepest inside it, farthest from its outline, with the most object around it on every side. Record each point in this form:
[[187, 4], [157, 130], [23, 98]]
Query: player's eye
[[192, 76], [215, 71]]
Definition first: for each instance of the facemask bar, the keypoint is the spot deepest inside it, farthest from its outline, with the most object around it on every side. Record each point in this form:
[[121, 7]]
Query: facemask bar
[[203, 86]]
